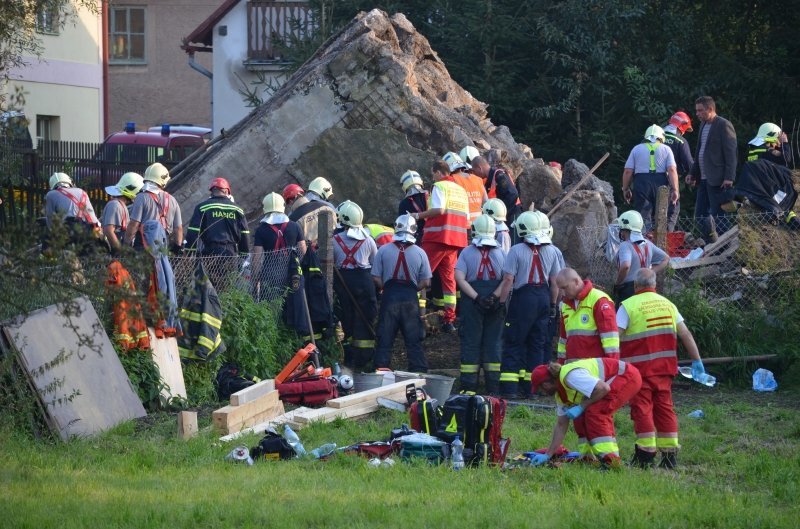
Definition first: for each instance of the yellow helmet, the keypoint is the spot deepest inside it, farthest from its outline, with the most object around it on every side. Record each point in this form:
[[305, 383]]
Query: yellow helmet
[[321, 187], [128, 186], [483, 229], [350, 214], [62, 179], [495, 208], [654, 133], [534, 227], [274, 203], [631, 220], [468, 153], [767, 133], [410, 178], [157, 173]]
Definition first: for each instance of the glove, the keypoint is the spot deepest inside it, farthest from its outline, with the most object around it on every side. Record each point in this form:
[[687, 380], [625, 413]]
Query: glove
[[539, 459], [489, 303], [575, 412], [553, 311], [697, 369]]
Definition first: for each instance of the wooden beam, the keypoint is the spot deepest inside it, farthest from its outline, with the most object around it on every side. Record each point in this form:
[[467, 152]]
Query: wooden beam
[[729, 359], [286, 418], [371, 395], [329, 414], [228, 416], [711, 249], [187, 424], [270, 413], [250, 394], [578, 185]]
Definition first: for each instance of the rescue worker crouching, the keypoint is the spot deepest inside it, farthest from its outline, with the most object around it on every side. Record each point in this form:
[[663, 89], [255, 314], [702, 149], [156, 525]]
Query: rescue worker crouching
[[353, 254], [401, 269], [116, 214], [770, 143], [478, 274], [530, 270], [635, 252]]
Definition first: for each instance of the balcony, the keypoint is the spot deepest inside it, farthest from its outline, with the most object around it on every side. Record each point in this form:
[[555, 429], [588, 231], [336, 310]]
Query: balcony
[[271, 26]]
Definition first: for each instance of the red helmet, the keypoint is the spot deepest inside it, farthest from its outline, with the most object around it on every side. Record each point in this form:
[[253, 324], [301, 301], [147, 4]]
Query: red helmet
[[219, 183], [292, 191], [681, 121]]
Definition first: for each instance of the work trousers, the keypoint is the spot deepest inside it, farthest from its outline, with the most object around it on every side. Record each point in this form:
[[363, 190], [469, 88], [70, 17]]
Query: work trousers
[[645, 193], [595, 427], [356, 308], [708, 208], [442, 258], [480, 335], [400, 311], [525, 338], [653, 415]]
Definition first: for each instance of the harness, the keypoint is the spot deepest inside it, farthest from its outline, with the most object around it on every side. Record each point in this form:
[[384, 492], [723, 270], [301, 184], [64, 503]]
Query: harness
[[536, 265], [81, 205], [417, 206], [643, 256], [280, 240], [349, 253], [485, 267], [401, 261], [162, 209], [652, 148]]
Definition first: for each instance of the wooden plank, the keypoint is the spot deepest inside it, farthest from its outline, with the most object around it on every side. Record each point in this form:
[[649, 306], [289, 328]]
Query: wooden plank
[[74, 368], [703, 261], [329, 414], [270, 413], [286, 418], [168, 360], [578, 185], [252, 393], [187, 424], [712, 248], [373, 394], [228, 416]]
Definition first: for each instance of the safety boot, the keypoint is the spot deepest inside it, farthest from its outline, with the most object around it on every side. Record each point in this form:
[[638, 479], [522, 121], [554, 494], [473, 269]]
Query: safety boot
[[669, 460], [642, 458]]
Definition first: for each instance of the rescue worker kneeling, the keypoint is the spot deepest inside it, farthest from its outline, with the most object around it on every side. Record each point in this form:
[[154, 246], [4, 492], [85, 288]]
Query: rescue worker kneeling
[[588, 392]]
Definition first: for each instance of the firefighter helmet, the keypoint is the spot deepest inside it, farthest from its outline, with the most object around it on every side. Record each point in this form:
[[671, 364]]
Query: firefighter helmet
[[321, 187], [495, 208], [291, 192], [157, 174], [350, 214], [60, 179], [274, 203], [534, 227], [128, 186], [767, 133], [405, 228], [410, 178], [682, 122], [483, 229], [219, 183], [654, 133], [631, 220], [468, 153], [454, 162]]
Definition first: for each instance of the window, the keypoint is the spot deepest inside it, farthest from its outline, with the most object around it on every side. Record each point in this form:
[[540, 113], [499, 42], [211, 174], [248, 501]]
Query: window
[[46, 128], [127, 35], [47, 21]]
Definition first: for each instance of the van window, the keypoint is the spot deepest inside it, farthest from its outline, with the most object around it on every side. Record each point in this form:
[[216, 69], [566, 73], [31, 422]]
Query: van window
[[123, 153]]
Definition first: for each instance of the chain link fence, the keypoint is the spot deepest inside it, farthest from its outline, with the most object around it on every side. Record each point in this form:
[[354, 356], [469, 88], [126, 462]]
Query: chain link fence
[[744, 264]]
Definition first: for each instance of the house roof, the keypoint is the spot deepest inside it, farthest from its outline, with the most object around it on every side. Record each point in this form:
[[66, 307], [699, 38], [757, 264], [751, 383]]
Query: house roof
[[204, 33]]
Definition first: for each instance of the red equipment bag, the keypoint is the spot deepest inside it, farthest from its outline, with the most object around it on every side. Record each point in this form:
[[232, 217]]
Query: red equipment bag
[[423, 415], [308, 392]]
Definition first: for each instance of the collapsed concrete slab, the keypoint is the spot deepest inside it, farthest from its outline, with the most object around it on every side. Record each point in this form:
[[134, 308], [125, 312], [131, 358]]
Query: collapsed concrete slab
[[373, 102]]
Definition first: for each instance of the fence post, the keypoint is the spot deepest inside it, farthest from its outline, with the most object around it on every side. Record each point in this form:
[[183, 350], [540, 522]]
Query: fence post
[[326, 250], [662, 204]]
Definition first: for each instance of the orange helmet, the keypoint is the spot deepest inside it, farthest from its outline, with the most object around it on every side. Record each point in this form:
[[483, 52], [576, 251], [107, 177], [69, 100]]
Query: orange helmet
[[682, 122], [291, 192], [219, 183]]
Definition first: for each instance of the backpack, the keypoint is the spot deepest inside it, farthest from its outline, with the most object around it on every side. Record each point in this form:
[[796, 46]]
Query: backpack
[[478, 420], [230, 379], [423, 415], [272, 447]]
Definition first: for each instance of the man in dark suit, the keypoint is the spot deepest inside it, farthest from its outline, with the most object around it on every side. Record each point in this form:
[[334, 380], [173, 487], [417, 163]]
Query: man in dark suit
[[714, 168]]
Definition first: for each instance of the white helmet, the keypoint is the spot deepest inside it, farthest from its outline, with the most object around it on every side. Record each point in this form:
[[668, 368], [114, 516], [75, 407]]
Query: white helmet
[[405, 228], [534, 227], [495, 208], [654, 133], [410, 178], [350, 214], [157, 173], [483, 231], [767, 133], [321, 187], [128, 186], [468, 153], [274, 203], [631, 220], [60, 179], [454, 162]]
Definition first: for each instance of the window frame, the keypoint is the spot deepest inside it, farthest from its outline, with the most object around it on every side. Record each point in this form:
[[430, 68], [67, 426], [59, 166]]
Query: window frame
[[48, 22], [113, 34]]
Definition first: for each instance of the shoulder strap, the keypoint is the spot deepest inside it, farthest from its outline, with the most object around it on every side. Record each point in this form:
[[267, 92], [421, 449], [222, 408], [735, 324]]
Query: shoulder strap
[[401, 262], [280, 241], [485, 268], [81, 205], [536, 264], [643, 256]]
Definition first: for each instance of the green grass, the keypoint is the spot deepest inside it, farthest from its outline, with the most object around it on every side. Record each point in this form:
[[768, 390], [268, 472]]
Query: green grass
[[739, 467]]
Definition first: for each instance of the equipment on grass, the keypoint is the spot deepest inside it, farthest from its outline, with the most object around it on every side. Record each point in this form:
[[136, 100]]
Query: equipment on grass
[[479, 420]]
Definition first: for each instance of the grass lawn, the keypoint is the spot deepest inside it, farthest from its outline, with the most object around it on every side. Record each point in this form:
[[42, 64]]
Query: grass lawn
[[739, 467]]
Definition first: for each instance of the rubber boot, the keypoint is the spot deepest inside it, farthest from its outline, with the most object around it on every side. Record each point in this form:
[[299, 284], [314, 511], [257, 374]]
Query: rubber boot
[[669, 461], [642, 458]]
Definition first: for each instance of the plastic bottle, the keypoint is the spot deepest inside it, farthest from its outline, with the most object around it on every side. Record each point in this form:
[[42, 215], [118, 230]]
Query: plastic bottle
[[457, 457], [324, 450], [294, 441], [337, 369], [705, 378]]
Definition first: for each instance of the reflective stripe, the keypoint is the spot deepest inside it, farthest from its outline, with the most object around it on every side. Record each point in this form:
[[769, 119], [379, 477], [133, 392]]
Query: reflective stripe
[[655, 332], [208, 344], [651, 356], [204, 318], [652, 148], [604, 446], [190, 228], [469, 368], [363, 344], [449, 299], [581, 332], [495, 368], [667, 440], [509, 377], [606, 335]]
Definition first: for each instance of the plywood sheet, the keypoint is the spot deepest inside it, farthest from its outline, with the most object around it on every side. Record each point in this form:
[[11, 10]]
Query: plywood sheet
[[74, 368], [168, 360]]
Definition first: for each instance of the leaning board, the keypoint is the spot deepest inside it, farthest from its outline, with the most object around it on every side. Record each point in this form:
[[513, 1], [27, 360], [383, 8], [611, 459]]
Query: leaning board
[[168, 360], [83, 387]]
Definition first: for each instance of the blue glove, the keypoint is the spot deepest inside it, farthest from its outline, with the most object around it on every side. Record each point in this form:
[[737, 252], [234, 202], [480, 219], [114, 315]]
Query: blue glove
[[575, 412], [697, 369], [539, 459]]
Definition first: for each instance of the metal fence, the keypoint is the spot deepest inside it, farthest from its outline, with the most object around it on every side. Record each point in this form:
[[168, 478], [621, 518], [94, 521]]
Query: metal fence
[[750, 255]]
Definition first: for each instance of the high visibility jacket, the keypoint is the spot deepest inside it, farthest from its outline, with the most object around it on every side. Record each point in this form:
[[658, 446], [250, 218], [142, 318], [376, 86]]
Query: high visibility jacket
[[452, 226], [380, 234], [510, 195], [650, 341], [218, 222], [130, 329], [474, 189], [604, 369], [201, 316], [588, 326]]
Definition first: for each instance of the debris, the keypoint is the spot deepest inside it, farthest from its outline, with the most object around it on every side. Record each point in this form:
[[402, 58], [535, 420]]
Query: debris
[[696, 414], [764, 380], [240, 454]]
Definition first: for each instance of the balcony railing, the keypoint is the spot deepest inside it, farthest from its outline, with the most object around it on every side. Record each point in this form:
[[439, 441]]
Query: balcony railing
[[269, 23]]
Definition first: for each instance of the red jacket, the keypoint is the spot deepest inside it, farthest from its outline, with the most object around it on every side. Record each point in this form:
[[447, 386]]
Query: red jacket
[[588, 326]]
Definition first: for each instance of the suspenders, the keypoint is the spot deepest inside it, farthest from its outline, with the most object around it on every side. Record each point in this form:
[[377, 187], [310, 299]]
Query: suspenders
[[280, 241], [643, 256], [349, 253], [536, 264], [401, 261], [485, 267], [82, 216]]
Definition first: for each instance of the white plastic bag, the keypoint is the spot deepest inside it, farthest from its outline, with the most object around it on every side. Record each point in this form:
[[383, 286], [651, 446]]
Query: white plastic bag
[[764, 380], [612, 243]]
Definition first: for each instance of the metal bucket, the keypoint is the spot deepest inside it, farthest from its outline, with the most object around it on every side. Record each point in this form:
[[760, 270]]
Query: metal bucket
[[365, 381], [438, 386], [402, 376]]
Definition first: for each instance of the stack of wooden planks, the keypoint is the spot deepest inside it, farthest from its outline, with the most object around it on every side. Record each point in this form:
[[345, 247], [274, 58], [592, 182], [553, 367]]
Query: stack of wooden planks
[[249, 407]]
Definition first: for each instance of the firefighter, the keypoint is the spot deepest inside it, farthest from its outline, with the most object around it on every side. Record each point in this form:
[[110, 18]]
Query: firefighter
[[353, 253], [72, 207], [770, 143], [115, 214], [380, 234], [445, 234], [294, 196], [588, 392], [320, 190], [635, 252], [674, 131], [221, 227], [312, 206], [498, 184], [275, 232], [478, 273], [416, 199], [154, 203], [476, 194], [530, 269], [401, 269], [588, 327], [496, 209], [650, 326]]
